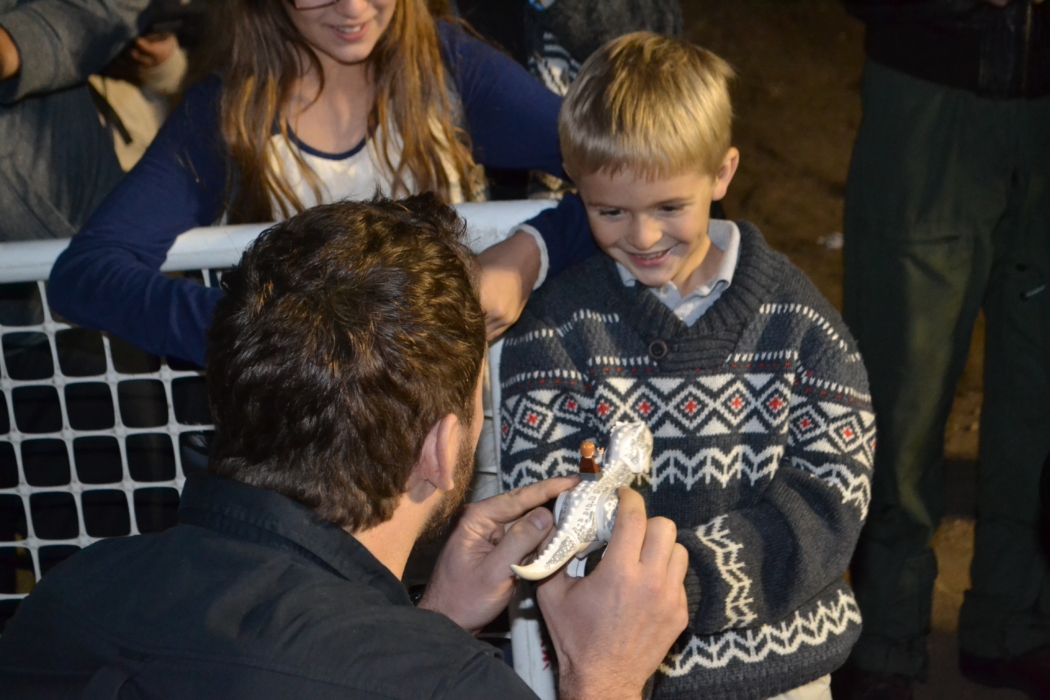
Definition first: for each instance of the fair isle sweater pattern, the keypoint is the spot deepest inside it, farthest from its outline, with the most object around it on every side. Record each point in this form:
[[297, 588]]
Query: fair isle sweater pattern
[[764, 444]]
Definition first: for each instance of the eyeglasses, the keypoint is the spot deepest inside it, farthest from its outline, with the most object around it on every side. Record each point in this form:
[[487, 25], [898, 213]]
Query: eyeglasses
[[311, 4]]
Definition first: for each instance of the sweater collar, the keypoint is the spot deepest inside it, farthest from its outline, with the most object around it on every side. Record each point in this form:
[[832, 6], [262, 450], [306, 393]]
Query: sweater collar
[[757, 275]]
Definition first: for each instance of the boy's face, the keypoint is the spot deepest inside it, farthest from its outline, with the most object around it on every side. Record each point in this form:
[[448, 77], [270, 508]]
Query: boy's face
[[657, 229]]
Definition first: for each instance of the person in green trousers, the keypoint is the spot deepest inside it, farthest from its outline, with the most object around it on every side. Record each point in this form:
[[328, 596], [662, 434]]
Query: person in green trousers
[[948, 213]]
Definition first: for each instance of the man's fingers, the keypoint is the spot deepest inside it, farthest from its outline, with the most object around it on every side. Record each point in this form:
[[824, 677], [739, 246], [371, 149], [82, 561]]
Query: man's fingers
[[554, 588], [629, 531], [678, 566], [522, 538], [660, 535], [510, 506]]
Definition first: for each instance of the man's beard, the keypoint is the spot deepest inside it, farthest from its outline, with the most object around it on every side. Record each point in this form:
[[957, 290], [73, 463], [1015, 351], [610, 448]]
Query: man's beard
[[450, 505]]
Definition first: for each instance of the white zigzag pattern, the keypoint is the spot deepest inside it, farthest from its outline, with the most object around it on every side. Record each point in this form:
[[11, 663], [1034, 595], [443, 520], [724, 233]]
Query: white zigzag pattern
[[832, 387], [554, 463], [754, 645], [716, 404], [543, 374], [586, 315], [764, 356], [811, 314], [712, 464], [616, 361], [715, 536], [855, 488], [528, 337]]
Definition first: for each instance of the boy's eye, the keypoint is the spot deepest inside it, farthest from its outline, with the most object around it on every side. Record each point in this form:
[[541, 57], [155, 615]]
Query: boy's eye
[[609, 212], [671, 208]]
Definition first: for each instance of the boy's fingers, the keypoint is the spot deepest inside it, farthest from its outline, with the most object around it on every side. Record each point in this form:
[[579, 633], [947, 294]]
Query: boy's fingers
[[628, 533]]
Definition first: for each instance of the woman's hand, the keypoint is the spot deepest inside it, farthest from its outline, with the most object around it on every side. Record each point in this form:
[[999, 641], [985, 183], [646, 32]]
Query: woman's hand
[[508, 272]]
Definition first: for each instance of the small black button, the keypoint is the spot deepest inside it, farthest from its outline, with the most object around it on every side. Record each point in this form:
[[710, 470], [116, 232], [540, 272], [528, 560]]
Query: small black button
[[658, 349]]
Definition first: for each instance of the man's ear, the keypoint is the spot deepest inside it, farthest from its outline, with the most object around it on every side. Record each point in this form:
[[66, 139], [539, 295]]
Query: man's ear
[[725, 173], [437, 460]]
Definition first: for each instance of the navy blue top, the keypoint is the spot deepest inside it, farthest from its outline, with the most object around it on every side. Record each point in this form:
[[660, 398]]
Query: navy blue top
[[249, 596], [108, 277]]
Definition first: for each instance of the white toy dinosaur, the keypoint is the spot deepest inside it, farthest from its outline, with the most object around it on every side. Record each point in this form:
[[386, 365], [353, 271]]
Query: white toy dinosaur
[[585, 514]]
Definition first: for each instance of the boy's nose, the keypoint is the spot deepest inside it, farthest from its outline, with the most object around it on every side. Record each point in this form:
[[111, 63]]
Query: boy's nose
[[645, 233]]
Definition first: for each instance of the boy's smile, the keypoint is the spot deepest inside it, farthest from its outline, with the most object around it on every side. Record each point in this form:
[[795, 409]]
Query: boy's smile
[[657, 228]]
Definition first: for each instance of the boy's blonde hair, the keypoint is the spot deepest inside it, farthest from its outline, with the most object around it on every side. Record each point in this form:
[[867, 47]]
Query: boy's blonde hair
[[655, 106]]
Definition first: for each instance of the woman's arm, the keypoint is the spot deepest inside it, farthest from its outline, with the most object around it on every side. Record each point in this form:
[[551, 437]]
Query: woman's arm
[[109, 276], [512, 117]]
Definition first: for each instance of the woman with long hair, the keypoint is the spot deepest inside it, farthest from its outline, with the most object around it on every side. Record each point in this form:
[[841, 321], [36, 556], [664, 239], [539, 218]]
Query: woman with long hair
[[316, 100]]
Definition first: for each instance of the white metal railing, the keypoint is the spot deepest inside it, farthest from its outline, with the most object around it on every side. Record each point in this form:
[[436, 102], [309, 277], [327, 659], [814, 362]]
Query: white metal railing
[[46, 504]]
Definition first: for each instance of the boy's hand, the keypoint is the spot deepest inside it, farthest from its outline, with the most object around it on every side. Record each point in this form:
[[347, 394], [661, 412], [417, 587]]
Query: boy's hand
[[472, 581], [612, 629], [509, 270]]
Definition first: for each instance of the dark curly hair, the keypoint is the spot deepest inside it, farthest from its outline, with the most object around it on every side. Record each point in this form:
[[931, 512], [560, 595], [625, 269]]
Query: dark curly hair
[[345, 334]]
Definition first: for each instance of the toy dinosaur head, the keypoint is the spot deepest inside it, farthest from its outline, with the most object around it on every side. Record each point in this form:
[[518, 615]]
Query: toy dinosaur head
[[631, 444]]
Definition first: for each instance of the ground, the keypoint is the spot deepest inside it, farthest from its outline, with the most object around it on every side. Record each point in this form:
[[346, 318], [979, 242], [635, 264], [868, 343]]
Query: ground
[[797, 102]]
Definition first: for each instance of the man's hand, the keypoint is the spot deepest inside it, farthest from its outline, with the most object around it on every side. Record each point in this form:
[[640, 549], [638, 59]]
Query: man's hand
[[142, 58], [10, 60], [472, 581], [612, 629], [508, 272]]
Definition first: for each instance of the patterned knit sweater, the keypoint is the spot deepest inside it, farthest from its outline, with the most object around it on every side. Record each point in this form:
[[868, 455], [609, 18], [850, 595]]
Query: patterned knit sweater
[[764, 439]]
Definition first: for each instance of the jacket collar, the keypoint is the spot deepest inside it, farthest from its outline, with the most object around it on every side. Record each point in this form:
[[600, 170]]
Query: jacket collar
[[271, 520]]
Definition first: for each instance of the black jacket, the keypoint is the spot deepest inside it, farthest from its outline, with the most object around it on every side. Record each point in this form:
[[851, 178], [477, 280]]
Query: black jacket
[[966, 44], [249, 596]]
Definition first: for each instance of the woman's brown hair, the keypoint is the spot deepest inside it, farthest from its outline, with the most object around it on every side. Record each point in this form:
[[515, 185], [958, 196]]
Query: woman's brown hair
[[413, 105]]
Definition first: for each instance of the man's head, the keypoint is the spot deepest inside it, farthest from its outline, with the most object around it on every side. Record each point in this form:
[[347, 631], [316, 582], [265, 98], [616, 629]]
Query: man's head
[[347, 334], [645, 134]]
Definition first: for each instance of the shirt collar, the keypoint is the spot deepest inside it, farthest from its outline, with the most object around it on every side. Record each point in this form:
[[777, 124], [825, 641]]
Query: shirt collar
[[269, 519], [725, 236]]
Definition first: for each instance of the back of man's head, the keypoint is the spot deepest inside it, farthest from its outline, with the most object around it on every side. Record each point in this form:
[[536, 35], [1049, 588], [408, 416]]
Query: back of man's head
[[652, 105], [346, 333]]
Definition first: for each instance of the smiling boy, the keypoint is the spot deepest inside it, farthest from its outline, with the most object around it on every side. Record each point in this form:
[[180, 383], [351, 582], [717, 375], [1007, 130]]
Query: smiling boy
[[747, 377]]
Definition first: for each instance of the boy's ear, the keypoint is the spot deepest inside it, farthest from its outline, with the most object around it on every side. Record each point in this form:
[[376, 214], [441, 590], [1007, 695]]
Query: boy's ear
[[725, 173]]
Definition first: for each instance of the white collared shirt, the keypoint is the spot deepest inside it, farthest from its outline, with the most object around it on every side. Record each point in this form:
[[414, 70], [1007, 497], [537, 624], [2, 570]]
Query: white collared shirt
[[725, 236]]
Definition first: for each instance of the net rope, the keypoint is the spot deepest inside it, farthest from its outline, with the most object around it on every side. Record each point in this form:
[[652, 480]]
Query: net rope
[[47, 506], [31, 483]]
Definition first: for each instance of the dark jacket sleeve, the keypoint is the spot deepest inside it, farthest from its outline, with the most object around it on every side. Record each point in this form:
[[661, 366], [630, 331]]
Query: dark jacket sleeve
[[566, 232], [62, 42], [512, 117], [109, 276], [908, 10], [798, 537]]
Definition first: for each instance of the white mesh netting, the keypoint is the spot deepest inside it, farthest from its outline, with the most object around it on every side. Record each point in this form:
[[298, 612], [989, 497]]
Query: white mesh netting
[[90, 436], [95, 434]]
